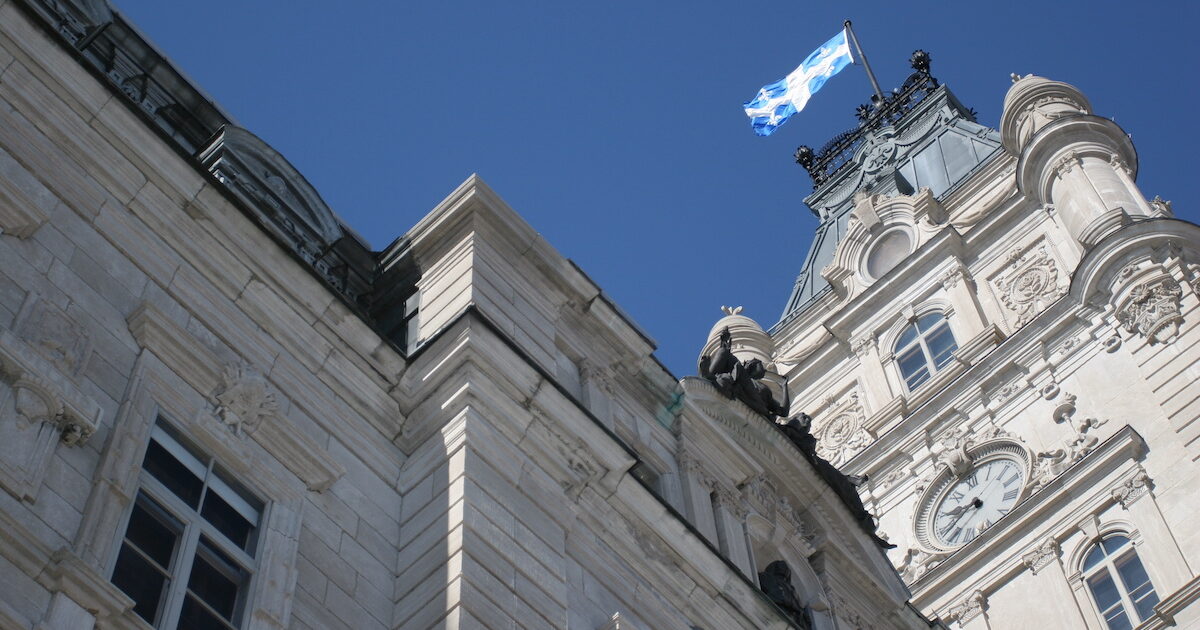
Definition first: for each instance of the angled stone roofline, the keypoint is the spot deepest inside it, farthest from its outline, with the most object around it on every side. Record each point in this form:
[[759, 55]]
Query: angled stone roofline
[[270, 190]]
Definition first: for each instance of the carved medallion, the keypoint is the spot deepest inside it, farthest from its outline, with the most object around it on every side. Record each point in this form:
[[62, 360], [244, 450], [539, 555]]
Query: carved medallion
[[1030, 284], [844, 434]]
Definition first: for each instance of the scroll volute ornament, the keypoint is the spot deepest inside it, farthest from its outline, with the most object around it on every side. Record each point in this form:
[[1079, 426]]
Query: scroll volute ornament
[[1034, 102]]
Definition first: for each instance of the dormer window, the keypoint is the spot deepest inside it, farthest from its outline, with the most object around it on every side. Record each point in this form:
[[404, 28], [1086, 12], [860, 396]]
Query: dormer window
[[925, 347]]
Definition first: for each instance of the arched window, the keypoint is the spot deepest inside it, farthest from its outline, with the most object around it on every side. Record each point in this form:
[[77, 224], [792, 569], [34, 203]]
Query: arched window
[[1118, 582], [925, 347]]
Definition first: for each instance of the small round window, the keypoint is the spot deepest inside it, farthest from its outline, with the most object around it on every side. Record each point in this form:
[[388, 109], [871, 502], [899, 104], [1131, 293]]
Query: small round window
[[889, 249]]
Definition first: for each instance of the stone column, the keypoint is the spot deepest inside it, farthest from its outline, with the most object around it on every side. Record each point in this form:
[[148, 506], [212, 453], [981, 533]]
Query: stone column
[[697, 489]]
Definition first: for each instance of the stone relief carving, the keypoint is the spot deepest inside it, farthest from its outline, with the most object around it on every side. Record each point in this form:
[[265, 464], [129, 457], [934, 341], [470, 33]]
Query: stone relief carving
[[971, 607], [244, 400], [1161, 207], [1132, 489], [54, 335], [1041, 555], [916, 563], [1153, 310], [1030, 283], [1051, 463], [844, 434], [36, 413]]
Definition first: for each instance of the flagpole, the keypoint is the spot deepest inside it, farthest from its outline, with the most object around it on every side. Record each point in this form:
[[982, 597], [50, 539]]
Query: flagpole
[[866, 66]]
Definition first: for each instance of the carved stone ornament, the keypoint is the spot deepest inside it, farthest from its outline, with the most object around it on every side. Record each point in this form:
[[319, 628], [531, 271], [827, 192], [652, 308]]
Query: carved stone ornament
[[843, 435], [1161, 207], [1041, 555], [1153, 310], [916, 563], [1030, 283], [969, 608], [244, 400], [1052, 463], [1132, 489], [953, 454], [54, 335]]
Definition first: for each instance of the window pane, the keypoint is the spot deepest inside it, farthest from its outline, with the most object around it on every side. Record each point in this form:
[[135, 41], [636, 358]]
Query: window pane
[[906, 337], [911, 364], [173, 474], [1118, 620], [941, 345], [232, 509], [196, 617], [1104, 590], [1114, 543], [227, 520], [216, 580], [928, 321], [915, 379], [141, 581], [1094, 556], [1133, 575], [153, 531]]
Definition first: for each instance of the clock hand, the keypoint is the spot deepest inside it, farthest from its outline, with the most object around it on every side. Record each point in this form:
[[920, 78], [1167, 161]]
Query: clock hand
[[960, 512]]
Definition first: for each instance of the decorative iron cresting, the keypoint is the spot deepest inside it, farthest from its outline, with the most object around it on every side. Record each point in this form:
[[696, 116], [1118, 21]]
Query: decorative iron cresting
[[823, 164]]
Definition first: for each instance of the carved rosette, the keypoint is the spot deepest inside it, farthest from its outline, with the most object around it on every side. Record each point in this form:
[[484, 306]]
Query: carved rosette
[[844, 434], [1041, 555], [1153, 310], [1030, 283], [1132, 489], [243, 399]]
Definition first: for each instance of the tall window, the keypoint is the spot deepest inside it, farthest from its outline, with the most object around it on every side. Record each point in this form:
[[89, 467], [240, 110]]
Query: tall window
[[925, 347], [1120, 587], [188, 553]]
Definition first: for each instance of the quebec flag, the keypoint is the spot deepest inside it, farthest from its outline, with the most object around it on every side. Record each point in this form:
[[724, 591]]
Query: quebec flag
[[777, 101]]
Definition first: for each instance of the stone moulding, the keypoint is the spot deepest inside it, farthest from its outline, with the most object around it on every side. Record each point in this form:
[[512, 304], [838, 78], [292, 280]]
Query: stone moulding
[[19, 216], [240, 404]]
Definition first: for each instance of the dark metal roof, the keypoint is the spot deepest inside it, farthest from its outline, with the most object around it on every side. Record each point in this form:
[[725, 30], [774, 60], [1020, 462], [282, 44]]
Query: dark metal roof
[[919, 137]]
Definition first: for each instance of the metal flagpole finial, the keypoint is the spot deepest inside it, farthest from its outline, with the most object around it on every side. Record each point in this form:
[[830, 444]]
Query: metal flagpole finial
[[866, 65]]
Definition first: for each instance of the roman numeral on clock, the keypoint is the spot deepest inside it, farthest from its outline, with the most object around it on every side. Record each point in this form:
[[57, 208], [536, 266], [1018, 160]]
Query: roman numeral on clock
[[1011, 494]]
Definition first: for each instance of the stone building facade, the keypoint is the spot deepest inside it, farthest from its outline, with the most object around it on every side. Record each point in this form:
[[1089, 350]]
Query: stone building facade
[[1001, 331], [220, 409]]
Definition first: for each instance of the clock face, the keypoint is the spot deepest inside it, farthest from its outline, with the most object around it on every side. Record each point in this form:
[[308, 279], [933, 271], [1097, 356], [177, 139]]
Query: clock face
[[976, 500]]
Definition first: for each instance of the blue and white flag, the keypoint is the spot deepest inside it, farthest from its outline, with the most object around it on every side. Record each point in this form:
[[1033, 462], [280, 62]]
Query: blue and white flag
[[777, 101]]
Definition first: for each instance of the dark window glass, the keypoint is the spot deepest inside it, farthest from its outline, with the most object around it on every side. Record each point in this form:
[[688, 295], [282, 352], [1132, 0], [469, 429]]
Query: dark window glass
[[227, 520], [908, 336], [196, 617], [153, 531], [173, 474], [216, 580], [138, 578], [1137, 583], [1094, 556], [941, 346], [927, 322]]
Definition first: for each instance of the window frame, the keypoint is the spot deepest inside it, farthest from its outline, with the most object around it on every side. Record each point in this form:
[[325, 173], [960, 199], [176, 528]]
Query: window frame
[[919, 346], [1108, 566], [193, 527]]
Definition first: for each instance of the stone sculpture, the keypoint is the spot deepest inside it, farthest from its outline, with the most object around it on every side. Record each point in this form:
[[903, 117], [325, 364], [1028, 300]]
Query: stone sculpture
[[797, 429], [776, 583], [742, 381]]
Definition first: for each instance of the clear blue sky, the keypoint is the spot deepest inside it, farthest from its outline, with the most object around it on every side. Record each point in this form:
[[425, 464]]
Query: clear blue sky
[[615, 128]]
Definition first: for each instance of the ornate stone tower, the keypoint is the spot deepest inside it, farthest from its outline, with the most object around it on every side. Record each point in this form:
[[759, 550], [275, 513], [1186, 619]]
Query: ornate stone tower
[[1000, 330]]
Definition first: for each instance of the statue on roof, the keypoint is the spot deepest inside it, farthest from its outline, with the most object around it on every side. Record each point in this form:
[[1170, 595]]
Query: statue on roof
[[797, 429], [743, 381], [776, 583]]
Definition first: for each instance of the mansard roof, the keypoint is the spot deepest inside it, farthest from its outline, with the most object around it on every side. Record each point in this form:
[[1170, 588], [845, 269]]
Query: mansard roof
[[920, 137]]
